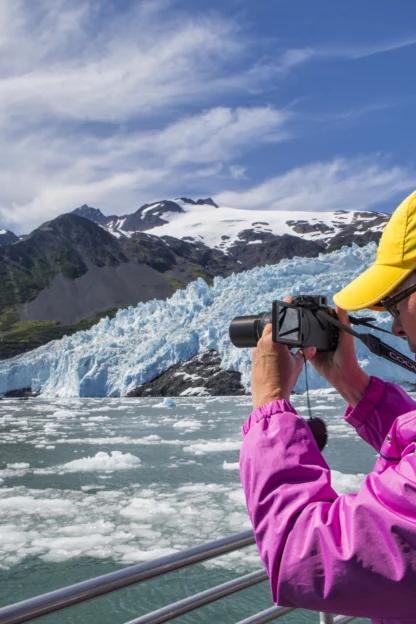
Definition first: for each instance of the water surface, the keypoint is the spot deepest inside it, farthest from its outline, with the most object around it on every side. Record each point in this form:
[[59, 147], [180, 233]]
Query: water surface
[[89, 486]]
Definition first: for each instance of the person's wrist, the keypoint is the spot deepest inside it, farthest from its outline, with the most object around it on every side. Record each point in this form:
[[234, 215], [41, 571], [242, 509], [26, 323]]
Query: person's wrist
[[353, 386], [269, 398]]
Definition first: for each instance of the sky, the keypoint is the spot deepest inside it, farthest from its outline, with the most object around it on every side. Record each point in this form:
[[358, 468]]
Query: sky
[[260, 104]]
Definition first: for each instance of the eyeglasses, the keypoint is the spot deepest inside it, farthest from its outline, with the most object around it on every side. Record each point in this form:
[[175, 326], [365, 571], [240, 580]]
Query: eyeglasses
[[390, 303]]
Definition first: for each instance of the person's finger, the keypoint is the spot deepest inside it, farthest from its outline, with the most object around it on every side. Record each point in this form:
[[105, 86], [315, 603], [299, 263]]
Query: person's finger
[[309, 352], [299, 358], [342, 316], [288, 299], [344, 337], [267, 330]]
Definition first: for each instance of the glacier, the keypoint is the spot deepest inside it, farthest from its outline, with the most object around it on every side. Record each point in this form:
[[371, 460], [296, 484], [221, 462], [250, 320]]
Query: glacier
[[141, 342]]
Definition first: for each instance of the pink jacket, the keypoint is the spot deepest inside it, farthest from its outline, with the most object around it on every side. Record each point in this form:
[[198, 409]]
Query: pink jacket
[[353, 554]]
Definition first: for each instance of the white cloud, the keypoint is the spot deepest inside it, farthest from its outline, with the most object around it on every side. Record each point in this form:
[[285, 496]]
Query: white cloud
[[379, 48], [217, 134], [44, 174], [83, 94], [114, 108], [238, 172], [294, 57], [57, 66], [340, 184]]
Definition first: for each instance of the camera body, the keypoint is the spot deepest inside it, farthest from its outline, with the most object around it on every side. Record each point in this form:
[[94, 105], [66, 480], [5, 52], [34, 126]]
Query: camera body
[[297, 324]]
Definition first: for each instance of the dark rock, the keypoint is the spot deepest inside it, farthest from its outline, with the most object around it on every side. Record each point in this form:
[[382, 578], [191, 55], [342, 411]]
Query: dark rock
[[23, 393], [93, 214], [349, 236], [208, 201], [272, 249], [202, 373], [359, 231], [200, 202], [214, 261], [303, 227]]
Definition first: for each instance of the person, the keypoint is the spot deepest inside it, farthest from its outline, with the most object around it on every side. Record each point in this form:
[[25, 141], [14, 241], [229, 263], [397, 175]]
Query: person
[[351, 554]]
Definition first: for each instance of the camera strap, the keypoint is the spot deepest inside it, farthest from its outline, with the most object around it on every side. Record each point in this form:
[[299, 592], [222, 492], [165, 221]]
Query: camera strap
[[374, 344], [365, 321]]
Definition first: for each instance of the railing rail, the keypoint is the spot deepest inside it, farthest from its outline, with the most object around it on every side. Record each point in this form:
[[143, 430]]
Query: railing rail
[[199, 600], [53, 602]]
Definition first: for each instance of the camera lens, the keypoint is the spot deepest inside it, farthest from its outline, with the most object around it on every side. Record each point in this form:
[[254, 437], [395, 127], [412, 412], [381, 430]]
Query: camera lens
[[246, 331]]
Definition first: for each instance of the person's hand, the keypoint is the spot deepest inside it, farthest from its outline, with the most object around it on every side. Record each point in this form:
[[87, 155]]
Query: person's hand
[[275, 370], [340, 367]]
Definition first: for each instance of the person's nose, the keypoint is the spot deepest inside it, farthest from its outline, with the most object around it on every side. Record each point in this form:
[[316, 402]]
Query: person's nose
[[397, 328]]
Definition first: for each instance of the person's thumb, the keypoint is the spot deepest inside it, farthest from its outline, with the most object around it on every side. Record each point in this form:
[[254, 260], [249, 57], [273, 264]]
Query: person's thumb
[[303, 355]]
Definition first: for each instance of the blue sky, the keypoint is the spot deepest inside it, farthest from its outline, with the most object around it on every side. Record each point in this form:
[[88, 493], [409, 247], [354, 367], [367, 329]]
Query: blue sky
[[265, 104]]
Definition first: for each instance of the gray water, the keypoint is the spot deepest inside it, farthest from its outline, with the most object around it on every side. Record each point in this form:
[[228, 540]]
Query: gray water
[[164, 479]]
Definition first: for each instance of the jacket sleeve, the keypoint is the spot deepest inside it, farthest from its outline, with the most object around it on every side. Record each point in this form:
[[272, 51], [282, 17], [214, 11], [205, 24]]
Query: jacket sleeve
[[353, 554], [375, 414]]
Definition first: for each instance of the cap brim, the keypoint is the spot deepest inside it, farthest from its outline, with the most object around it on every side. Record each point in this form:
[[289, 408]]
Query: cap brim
[[370, 287]]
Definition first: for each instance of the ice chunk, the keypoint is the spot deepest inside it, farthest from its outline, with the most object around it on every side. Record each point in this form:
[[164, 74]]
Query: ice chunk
[[116, 460], [346, 483], [231, 466], [167, 402]]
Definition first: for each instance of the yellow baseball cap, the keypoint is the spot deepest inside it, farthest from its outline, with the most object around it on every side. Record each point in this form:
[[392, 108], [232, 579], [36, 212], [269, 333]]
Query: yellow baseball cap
[[395, 260]]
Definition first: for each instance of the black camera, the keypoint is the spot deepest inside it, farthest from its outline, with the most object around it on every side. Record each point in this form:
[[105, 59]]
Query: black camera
[[309, 322], [297, 324]]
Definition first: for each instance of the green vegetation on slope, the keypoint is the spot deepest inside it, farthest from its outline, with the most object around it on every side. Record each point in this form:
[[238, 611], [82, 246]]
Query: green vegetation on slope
[[24, 336]]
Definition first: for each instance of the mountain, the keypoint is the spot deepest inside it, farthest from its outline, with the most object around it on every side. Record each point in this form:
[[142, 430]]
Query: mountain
[[7, 237], [142, 344], [93, 214], [145, 218], [70, 272], [231, 229], [82, 266]]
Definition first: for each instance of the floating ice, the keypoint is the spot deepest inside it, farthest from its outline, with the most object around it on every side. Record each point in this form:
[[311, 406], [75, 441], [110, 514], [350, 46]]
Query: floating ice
[[346, 483], [200, 448], [103, 462], [166, 403], [140, 343], [231, 466], [188, 425]]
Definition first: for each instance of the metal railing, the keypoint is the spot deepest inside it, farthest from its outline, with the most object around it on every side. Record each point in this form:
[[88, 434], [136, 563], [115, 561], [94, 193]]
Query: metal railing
[[34, 608]]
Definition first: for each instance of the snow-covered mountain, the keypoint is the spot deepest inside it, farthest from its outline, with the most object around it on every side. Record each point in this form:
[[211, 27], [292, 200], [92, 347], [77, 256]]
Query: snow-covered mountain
[[224, 228], [140, 343]]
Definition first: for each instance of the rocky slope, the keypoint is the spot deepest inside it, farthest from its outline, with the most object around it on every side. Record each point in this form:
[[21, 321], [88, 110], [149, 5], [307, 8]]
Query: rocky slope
[[200, 376], [70, 272]]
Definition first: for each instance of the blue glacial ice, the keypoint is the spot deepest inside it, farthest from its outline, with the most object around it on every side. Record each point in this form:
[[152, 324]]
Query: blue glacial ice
[[141, 342]]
